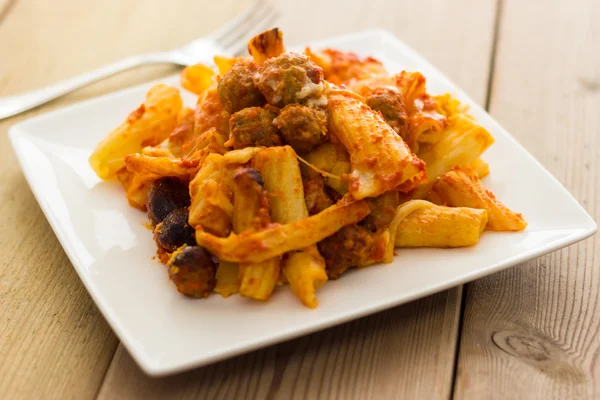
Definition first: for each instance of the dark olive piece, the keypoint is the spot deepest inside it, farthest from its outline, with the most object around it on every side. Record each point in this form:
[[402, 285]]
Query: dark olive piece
[[164, 196], [174, 231], [193, 271]]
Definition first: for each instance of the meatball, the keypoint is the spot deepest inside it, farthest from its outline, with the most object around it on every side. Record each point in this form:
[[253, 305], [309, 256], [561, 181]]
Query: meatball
[[302, 127], [315, 196], [383, 209], [290, 78], [389, 102], [236, 88], [193, 271], [346, 248], [164, 196], [253, 126], [174, 231]]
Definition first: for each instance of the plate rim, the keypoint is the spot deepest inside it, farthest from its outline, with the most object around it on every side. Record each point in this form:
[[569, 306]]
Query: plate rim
[[18, 135]]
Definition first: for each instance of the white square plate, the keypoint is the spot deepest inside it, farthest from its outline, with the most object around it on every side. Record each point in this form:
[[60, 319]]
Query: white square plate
[[166, 332]]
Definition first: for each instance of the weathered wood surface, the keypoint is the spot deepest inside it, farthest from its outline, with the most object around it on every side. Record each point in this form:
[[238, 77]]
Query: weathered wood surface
[[532, 331]]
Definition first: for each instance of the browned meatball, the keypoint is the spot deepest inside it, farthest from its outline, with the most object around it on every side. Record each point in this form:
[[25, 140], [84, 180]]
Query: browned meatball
[[193, 271], [290, 78], [164, 196], [302, 127], [383, 208], [253, 126], [236, 88], [346, 248], [389, 102], [174, 231], [315, 196]]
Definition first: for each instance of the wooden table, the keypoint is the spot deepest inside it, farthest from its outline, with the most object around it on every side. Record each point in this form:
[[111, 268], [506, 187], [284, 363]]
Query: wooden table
[[529, 332]]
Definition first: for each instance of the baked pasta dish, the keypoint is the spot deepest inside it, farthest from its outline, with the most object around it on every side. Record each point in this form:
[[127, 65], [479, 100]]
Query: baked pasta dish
[[293, 168]]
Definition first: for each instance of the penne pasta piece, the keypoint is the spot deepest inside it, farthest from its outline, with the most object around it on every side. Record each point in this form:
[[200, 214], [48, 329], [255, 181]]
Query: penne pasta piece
[[380, 159], [462, 188], [196, 78], [225, 63], [440, 226], [211, 206], [480, 167], [304, 269], [277, 239], [149, 125], [209, 115], [211, 194], [183, 130], [258, 280], [137, 190], [266, 45], [462, 143], [250, 214], [161, 166], [345, 67], [425, 123], [305, 272], [227, 279], [402, 211], [281, 174]]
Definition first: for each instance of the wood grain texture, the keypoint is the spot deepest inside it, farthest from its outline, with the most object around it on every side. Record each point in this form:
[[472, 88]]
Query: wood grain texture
[[407, 352], [53, 341], [5, 7], [533, 331]]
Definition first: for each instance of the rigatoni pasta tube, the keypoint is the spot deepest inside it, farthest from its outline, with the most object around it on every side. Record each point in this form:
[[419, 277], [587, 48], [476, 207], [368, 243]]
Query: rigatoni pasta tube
[[161, 166], [211, 194], [277, 239], [227, 279], [440, 226], [304, 269], [211, 206], [462, 188], [462, 143], [251, 213], [480, 167], [280, 172], [149, 125], [266, 45], [380, 159]]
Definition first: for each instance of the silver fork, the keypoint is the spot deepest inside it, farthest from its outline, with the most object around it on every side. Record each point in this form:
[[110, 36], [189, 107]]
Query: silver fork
[[230, 40]]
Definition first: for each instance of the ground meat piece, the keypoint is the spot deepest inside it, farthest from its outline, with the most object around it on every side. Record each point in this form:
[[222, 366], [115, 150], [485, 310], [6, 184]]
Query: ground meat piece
[[389, 102], [346, 248], [253, 126], [302, 127], [193, 271], [164, 196], [383, 208], [236, 88], [174, 231], [333, 194], [315, 195], [290, 78]]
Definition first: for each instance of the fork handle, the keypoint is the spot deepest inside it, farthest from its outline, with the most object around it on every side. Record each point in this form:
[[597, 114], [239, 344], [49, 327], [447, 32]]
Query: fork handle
[[12, 105]]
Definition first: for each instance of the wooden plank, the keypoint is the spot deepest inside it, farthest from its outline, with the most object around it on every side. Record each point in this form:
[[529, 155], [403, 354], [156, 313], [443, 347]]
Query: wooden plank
[[533, 331], [406, 352], [401, 353], [5, 7], [53, 341]]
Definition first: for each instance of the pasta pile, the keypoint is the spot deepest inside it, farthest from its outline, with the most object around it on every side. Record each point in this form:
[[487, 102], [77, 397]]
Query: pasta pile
[[293, 168]]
